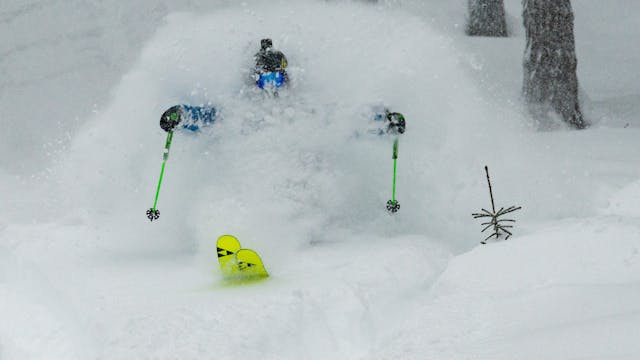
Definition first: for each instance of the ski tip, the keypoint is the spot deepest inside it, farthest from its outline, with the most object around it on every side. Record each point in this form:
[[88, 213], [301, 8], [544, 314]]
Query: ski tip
[[238, 265]]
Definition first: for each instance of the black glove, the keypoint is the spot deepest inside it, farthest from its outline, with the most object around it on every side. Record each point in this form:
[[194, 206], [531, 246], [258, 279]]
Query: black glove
[[397, 123], [171, 118]]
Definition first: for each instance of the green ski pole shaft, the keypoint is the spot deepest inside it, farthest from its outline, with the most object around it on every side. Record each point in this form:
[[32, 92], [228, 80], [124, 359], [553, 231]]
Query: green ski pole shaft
[[155, 202], [153, 213], [393, 205], [395, 161], [393, 193], [165, 157]]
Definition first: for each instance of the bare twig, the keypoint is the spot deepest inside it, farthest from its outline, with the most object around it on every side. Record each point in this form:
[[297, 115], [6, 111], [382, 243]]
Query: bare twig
[[497, 224]]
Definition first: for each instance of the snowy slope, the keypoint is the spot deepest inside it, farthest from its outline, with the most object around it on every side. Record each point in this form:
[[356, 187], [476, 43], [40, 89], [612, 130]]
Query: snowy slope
[[83, 274]]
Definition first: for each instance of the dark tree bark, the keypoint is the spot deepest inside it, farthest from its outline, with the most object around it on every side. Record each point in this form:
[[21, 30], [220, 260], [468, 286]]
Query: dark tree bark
[[486, 18], [550, 81]]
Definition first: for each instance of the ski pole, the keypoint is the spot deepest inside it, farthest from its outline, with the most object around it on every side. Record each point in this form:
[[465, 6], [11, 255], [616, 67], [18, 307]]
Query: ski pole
[[393, 205], [153, 213]]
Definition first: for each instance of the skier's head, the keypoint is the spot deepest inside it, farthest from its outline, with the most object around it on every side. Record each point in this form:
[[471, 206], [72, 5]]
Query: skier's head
[[266, 44]]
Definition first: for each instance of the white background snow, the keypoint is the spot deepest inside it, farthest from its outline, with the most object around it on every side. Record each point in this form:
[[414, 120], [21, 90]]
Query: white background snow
[[84, 274]]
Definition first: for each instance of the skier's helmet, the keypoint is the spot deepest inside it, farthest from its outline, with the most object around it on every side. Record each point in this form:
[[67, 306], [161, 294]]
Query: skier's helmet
[[266, 43]]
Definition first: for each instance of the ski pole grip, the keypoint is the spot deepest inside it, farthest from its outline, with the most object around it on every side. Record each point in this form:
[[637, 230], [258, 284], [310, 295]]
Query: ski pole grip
[[395, 149], [167, 146]]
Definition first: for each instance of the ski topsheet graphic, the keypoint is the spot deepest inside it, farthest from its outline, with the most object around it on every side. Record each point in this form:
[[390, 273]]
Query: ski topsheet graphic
[[227, 248], [237, 263], [250, 265]]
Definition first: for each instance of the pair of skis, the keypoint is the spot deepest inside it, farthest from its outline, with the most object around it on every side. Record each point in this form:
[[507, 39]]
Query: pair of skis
[[238, 264]]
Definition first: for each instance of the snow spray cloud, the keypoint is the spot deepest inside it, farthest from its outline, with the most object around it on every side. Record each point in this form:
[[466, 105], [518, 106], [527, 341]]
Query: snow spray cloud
[[298, 168]]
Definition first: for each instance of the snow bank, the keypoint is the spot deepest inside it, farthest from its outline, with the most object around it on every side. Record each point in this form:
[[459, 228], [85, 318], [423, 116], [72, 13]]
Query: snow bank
[[568, 291]]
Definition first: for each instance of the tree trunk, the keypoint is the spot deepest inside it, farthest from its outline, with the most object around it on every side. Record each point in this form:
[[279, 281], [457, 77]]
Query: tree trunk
[[550, 81], [486, 18]]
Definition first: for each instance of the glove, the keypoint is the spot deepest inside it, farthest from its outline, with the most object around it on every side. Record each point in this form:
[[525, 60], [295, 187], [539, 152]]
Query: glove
[[397, 123], [171, 118]]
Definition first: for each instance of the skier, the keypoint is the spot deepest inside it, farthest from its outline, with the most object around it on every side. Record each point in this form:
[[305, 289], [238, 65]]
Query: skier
[[271, 65]]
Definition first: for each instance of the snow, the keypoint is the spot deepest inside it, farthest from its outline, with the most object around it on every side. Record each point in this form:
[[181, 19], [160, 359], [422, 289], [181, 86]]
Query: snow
[[83, 273], [546, 295]]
